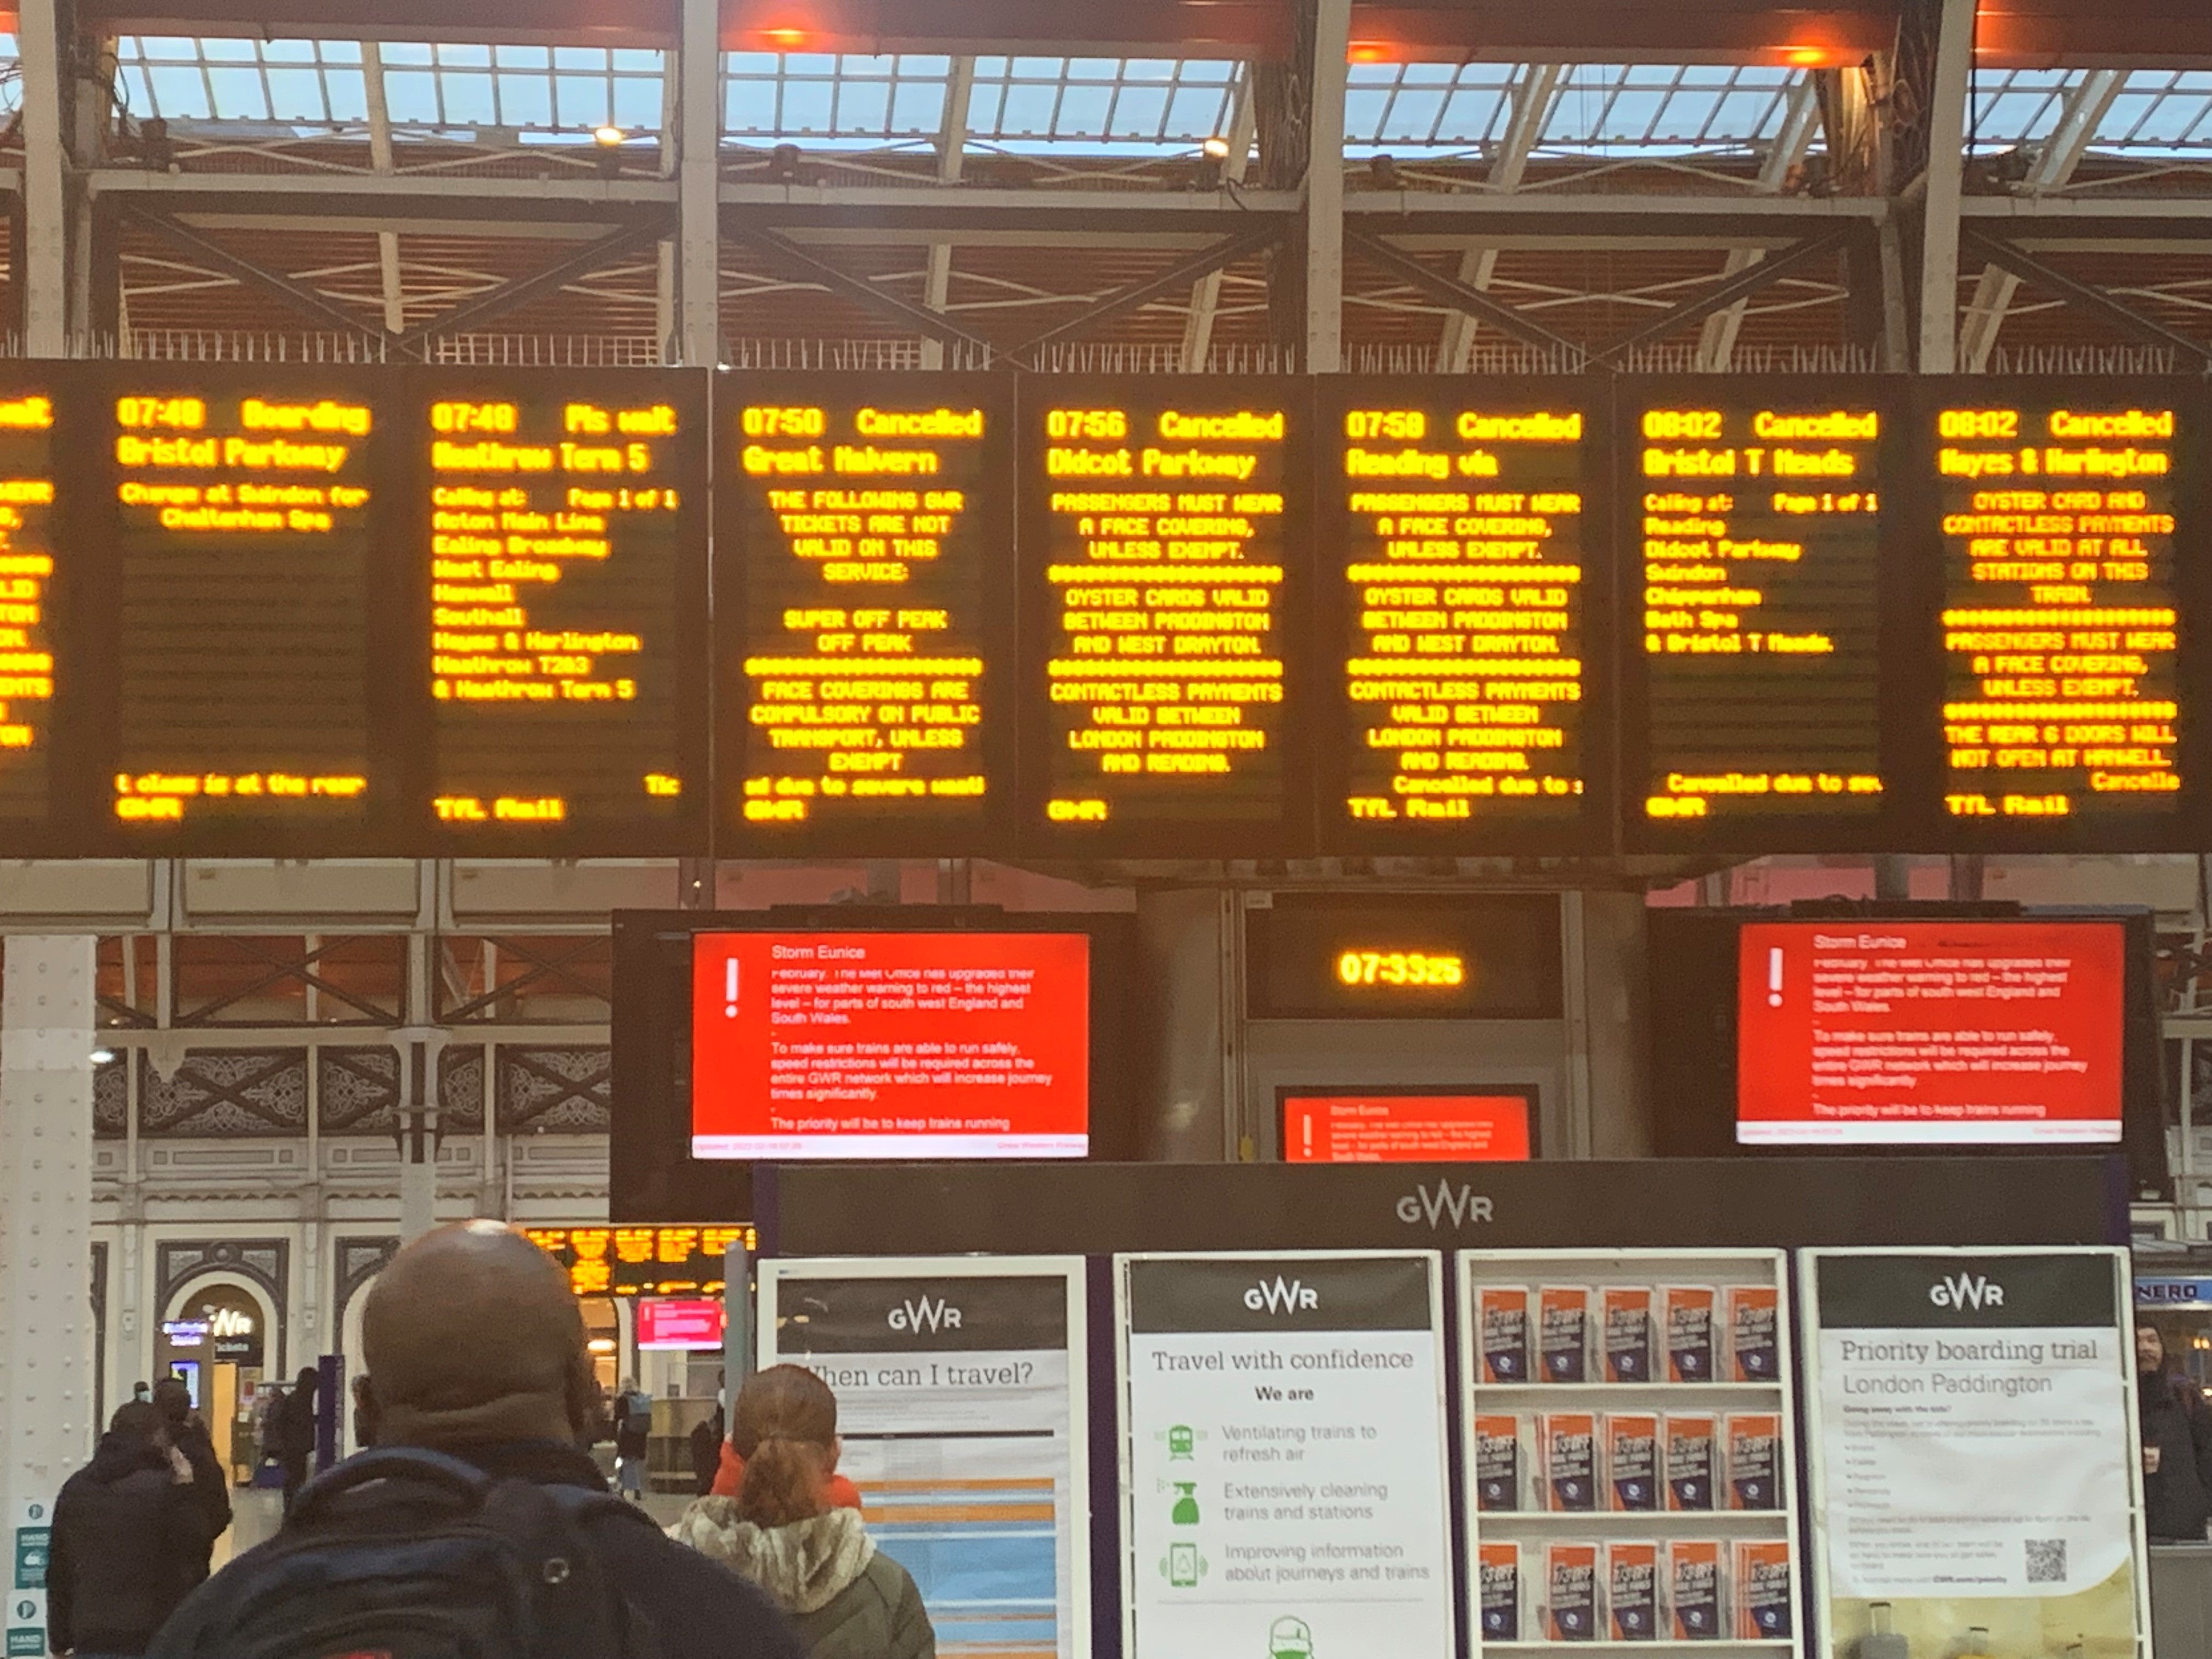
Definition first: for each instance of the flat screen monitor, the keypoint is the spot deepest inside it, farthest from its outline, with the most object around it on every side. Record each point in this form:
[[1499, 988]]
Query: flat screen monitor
[[813, 1033], [1854, 1028], [1930, 1033], [891, 1045], [673, 1323], [1474, 1126]]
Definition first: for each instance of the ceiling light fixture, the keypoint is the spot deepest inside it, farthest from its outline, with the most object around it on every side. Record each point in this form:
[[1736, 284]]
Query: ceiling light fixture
[[609, 136], [1215, 149], [102, 1056]]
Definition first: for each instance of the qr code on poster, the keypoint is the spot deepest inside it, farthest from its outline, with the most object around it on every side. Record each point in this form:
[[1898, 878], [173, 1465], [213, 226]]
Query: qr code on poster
[[2046, 1560]]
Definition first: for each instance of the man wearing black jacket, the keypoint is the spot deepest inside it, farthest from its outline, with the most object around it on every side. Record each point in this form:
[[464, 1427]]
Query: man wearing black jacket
[[210, 1485], [475, 1349], [129, 1541]]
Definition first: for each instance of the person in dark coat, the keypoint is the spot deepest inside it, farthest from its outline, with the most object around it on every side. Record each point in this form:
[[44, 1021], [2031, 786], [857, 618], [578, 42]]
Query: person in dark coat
[[295, 1433], [2176, 1427], [210, 1481], [707, 1439], [474, 1347], [130, 1541]]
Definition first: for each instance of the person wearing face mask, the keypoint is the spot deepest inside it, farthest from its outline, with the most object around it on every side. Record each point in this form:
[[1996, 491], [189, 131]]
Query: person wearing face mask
[[2176, 1428]]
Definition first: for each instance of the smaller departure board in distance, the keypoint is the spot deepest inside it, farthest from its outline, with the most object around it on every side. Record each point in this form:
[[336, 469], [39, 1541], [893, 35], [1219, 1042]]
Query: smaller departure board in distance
[[2060, 509], [559, 562], [228, 587], [1756, 508], [1461, 608], [865, 601], [30, 634], [1163, 558]]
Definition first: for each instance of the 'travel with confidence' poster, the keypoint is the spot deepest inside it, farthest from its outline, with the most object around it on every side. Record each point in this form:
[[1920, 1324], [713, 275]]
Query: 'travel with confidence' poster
[[1976, 1487]]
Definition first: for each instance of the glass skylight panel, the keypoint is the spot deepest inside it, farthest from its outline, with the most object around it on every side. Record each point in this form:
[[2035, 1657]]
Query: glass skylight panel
[[2156, 111]]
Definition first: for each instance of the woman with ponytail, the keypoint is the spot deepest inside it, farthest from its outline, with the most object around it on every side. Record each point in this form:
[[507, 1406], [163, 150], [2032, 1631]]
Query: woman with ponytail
[[786, 1531]]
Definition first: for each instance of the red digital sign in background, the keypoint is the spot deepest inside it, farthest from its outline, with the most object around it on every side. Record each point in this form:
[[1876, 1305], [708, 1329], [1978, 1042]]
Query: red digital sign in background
[[1930, 1032], [891, 1045], [679, 1322], [1406, 1128]]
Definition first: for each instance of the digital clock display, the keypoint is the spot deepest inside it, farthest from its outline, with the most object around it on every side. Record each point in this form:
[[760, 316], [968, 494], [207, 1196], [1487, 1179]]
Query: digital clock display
[[1409, 969], [1403, 955]]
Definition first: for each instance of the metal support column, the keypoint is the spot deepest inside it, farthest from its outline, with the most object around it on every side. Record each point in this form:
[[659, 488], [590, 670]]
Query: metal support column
[[951, 155], [381, 162], [1946, 175], [1532, 106], [1325, 189], [699, 115], [45, 1252], [1716, 345], [44, 273]]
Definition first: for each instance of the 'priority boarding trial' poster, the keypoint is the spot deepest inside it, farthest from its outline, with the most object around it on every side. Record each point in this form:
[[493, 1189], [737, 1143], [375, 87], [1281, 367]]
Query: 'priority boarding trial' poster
[[1976, 1486], [962, 1401]]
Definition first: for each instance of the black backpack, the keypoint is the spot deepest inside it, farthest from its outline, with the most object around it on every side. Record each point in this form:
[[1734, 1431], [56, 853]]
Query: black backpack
[[402, 1553]]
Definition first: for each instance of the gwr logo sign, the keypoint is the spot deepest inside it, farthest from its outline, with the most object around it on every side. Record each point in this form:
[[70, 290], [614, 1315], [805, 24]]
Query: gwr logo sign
[[925, 1315], [1279, 1296], [1967, 1292]]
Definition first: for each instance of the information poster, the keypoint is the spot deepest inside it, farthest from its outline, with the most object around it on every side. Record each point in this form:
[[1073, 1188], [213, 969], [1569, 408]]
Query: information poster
[[2061, 518], [863, 591], [962, 1401], [32, 1536], [1283, 1458], [1459, 512], [1161, 543], [1976, 1486], [1759, 513]]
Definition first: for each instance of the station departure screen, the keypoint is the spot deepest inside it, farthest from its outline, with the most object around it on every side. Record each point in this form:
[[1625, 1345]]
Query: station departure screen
[[866, 583], [1462, 608], [1759, 540], [2060, 610], [563, 551], [241, 511], [26, 582], [1157, 511]]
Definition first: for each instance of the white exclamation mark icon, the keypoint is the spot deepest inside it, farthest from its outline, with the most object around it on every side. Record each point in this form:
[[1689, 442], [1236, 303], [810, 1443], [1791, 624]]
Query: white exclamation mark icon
[[1306, 1124], [1773, 977], [730, 988]]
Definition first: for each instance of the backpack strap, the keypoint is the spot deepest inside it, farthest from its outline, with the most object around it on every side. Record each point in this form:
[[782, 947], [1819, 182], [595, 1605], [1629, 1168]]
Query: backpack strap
[[462, 1482]]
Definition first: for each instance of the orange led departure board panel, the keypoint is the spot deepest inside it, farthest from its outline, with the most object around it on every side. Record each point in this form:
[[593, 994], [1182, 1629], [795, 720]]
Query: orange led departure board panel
[[2062, 508], [1164, 559], [1458, 519], [563, 549], [28, 635], [237, 507], [865, 589], [1757, 563]]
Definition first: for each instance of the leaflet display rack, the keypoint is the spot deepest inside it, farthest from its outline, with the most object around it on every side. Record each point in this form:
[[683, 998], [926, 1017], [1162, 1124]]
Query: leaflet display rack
[[1629, 1427]]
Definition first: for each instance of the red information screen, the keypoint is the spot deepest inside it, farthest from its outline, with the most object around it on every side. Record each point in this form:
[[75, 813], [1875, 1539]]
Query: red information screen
[[891, 1045], [679, 1322], [1930, 1032], [1406, 1128]]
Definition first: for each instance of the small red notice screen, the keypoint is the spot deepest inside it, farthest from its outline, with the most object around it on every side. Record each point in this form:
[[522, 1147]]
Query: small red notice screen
[[886, 1045], [679, 1322], [1929, 1033], [1406, 1128]]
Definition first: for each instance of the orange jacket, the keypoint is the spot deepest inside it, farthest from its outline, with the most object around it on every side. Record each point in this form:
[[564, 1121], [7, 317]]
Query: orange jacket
[[843, 1494]]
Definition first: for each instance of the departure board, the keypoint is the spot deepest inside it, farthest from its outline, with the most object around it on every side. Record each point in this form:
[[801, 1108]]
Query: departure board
[[235, 529], [1458, 594], [864, 598], [28, 636], [2060, 509], [1758, 515], [1163, 546], [561, 565]]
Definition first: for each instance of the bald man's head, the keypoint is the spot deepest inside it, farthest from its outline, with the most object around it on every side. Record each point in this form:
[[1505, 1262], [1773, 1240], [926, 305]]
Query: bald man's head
[[472, 1338]]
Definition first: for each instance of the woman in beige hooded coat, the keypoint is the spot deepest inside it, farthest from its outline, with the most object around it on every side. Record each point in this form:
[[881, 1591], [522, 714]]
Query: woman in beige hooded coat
[[816, 1562]]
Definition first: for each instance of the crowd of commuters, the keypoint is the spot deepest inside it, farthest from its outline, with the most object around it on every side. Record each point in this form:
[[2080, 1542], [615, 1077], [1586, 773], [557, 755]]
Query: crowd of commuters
[[475, 1495]]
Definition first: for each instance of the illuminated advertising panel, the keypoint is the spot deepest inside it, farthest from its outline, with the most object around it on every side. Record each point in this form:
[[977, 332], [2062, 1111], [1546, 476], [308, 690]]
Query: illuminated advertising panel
[[865, 616], [1754, 519], [1462, 576], [560, 572], [1163, 554]]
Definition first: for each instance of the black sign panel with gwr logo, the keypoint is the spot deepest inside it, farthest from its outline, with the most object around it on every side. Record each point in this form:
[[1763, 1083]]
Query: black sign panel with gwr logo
[[1922, 1292], [951, 1314]]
